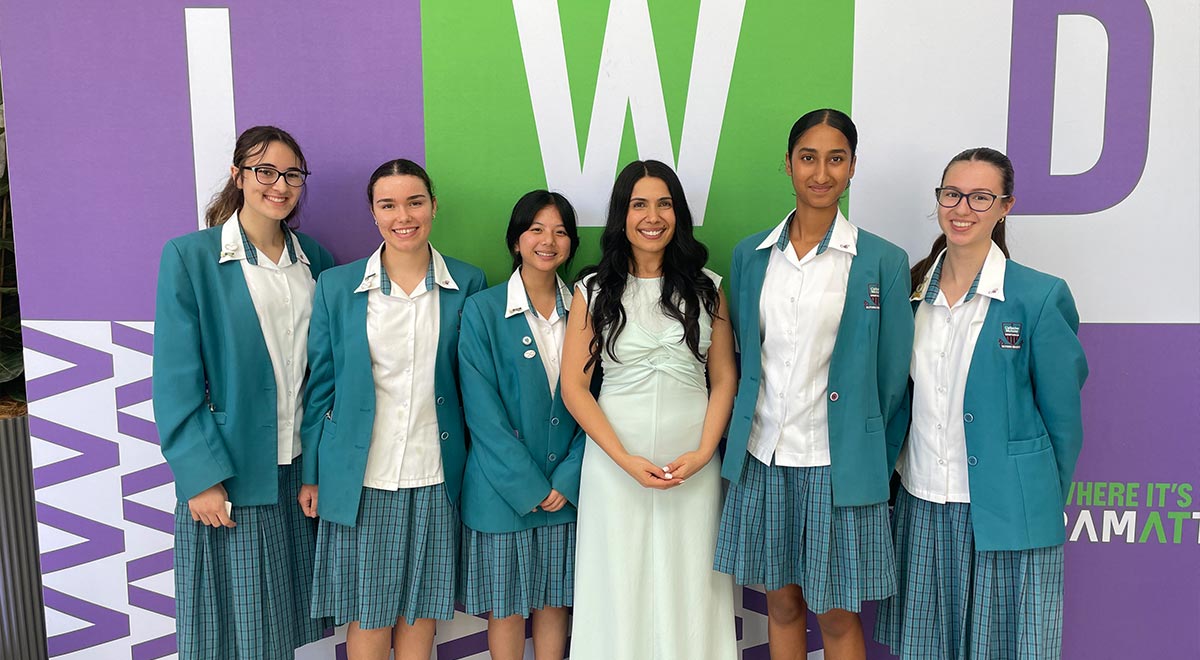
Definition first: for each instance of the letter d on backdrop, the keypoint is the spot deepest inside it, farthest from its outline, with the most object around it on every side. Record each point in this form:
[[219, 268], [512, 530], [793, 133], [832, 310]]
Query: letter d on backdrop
[[1126, 106]]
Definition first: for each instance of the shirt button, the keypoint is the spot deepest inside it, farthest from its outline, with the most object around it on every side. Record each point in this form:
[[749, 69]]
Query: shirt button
[[942, 354], [939, 427], [792, 299], [288, 333], [833, 396], [787, 363], [441, 400], [947, 319], [553, 421], [445, 435], [941, 461], [552, 457], [941, 389], [972, 461], [287, 301], [968, 418]]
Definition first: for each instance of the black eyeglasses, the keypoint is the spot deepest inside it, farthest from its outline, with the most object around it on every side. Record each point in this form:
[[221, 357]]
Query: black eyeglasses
[[978, 201], [269, 175]]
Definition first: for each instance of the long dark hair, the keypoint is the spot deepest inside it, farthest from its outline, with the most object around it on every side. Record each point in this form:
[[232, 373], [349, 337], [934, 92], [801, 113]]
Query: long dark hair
[[251, 144], [984, 155], [685, 287], [532, 203]]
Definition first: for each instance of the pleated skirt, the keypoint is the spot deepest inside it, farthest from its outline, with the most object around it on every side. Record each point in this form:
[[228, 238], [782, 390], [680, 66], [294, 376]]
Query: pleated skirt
[[518, 572], [955, 602], [397, 562], [779, 527], [243, 592]]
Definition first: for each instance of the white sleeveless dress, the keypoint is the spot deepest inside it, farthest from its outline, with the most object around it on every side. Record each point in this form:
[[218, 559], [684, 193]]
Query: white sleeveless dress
[[644, 584]]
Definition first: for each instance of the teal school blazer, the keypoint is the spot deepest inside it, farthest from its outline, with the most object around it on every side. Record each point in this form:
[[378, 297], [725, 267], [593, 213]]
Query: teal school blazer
[[339, 404], [1022, 413], [213, 385], [868, 372], [523, 441]]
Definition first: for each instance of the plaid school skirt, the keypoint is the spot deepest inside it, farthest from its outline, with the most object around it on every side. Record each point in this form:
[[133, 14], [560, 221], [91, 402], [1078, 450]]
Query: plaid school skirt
[[779, 527], [517, 572], [243, 592], [398, 562], [955, 602]]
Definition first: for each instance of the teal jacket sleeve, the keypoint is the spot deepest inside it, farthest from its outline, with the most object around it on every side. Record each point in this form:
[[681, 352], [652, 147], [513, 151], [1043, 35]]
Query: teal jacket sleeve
[[565, 478], [895, 357], [319, 392], [1058, 369], [503, 458], [188, 434]]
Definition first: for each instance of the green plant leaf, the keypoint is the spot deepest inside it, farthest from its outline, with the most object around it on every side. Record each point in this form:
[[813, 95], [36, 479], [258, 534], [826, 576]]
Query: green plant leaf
[[12, 365]]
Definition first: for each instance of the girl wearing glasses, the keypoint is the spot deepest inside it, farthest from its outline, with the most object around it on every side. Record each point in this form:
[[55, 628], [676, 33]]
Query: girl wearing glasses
[[996, 370], [384, 419], [231, 318], [522, 477], [820, 309]]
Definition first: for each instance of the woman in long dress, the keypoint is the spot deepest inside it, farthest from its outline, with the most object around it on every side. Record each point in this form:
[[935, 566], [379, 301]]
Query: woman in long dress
[[650, 488]]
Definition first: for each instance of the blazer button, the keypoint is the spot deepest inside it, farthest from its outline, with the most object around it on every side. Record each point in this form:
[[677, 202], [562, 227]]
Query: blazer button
[[445, 435], [968, 418], [552, 457], [833, 396], [972, 461], [441, 400], [553, 422]]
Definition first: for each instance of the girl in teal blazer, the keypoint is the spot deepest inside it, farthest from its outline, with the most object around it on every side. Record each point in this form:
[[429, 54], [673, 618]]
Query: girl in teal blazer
[[384, 422], [820, 398], [996, 430], [231, 314], [522, 478]]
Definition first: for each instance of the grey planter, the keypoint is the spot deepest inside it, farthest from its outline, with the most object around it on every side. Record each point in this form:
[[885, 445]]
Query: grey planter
[[22, 619]]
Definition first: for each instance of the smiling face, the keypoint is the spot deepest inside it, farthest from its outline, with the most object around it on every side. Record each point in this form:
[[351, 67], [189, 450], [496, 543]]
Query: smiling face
[[962, 225], [403, 211], [650, 221], [820, 165], [546, 245], [271, 203]]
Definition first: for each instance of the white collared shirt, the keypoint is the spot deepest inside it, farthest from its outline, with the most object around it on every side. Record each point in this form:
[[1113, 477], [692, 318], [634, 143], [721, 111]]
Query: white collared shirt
[[402, 333], [933, 464], [548, 333], [800, 311], [282, 294]]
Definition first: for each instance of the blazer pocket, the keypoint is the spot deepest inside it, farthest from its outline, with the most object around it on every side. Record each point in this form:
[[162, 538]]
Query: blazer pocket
[[875, 424], [1017, 447]]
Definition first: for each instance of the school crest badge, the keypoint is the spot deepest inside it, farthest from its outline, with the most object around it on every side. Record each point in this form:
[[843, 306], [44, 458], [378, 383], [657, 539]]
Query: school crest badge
[[1011, 337], [872, 301]]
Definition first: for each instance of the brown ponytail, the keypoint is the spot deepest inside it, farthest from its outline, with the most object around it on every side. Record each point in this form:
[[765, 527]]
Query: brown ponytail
[[986, 155], [251, 143]]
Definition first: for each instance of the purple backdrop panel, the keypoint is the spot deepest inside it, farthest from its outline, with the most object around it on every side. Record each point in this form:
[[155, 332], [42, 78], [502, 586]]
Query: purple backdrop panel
[[102, 170], [1140, 465]]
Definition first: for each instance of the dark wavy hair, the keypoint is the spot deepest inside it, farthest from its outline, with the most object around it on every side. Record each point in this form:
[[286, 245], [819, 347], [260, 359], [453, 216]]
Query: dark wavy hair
[[530, 204], [685, 288], [983, 155], [252, 143]]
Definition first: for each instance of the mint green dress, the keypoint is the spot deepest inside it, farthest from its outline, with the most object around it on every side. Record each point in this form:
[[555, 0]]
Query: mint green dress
[[644, 584]]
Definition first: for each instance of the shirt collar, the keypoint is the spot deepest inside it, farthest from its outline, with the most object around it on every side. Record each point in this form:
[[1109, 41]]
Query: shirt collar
[[235, 245], [842, 235], [988, 282], [519, 302], [376, 277]]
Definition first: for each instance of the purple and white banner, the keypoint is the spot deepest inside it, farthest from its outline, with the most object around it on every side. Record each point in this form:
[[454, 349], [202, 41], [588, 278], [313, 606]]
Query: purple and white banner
[[121, 118]]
